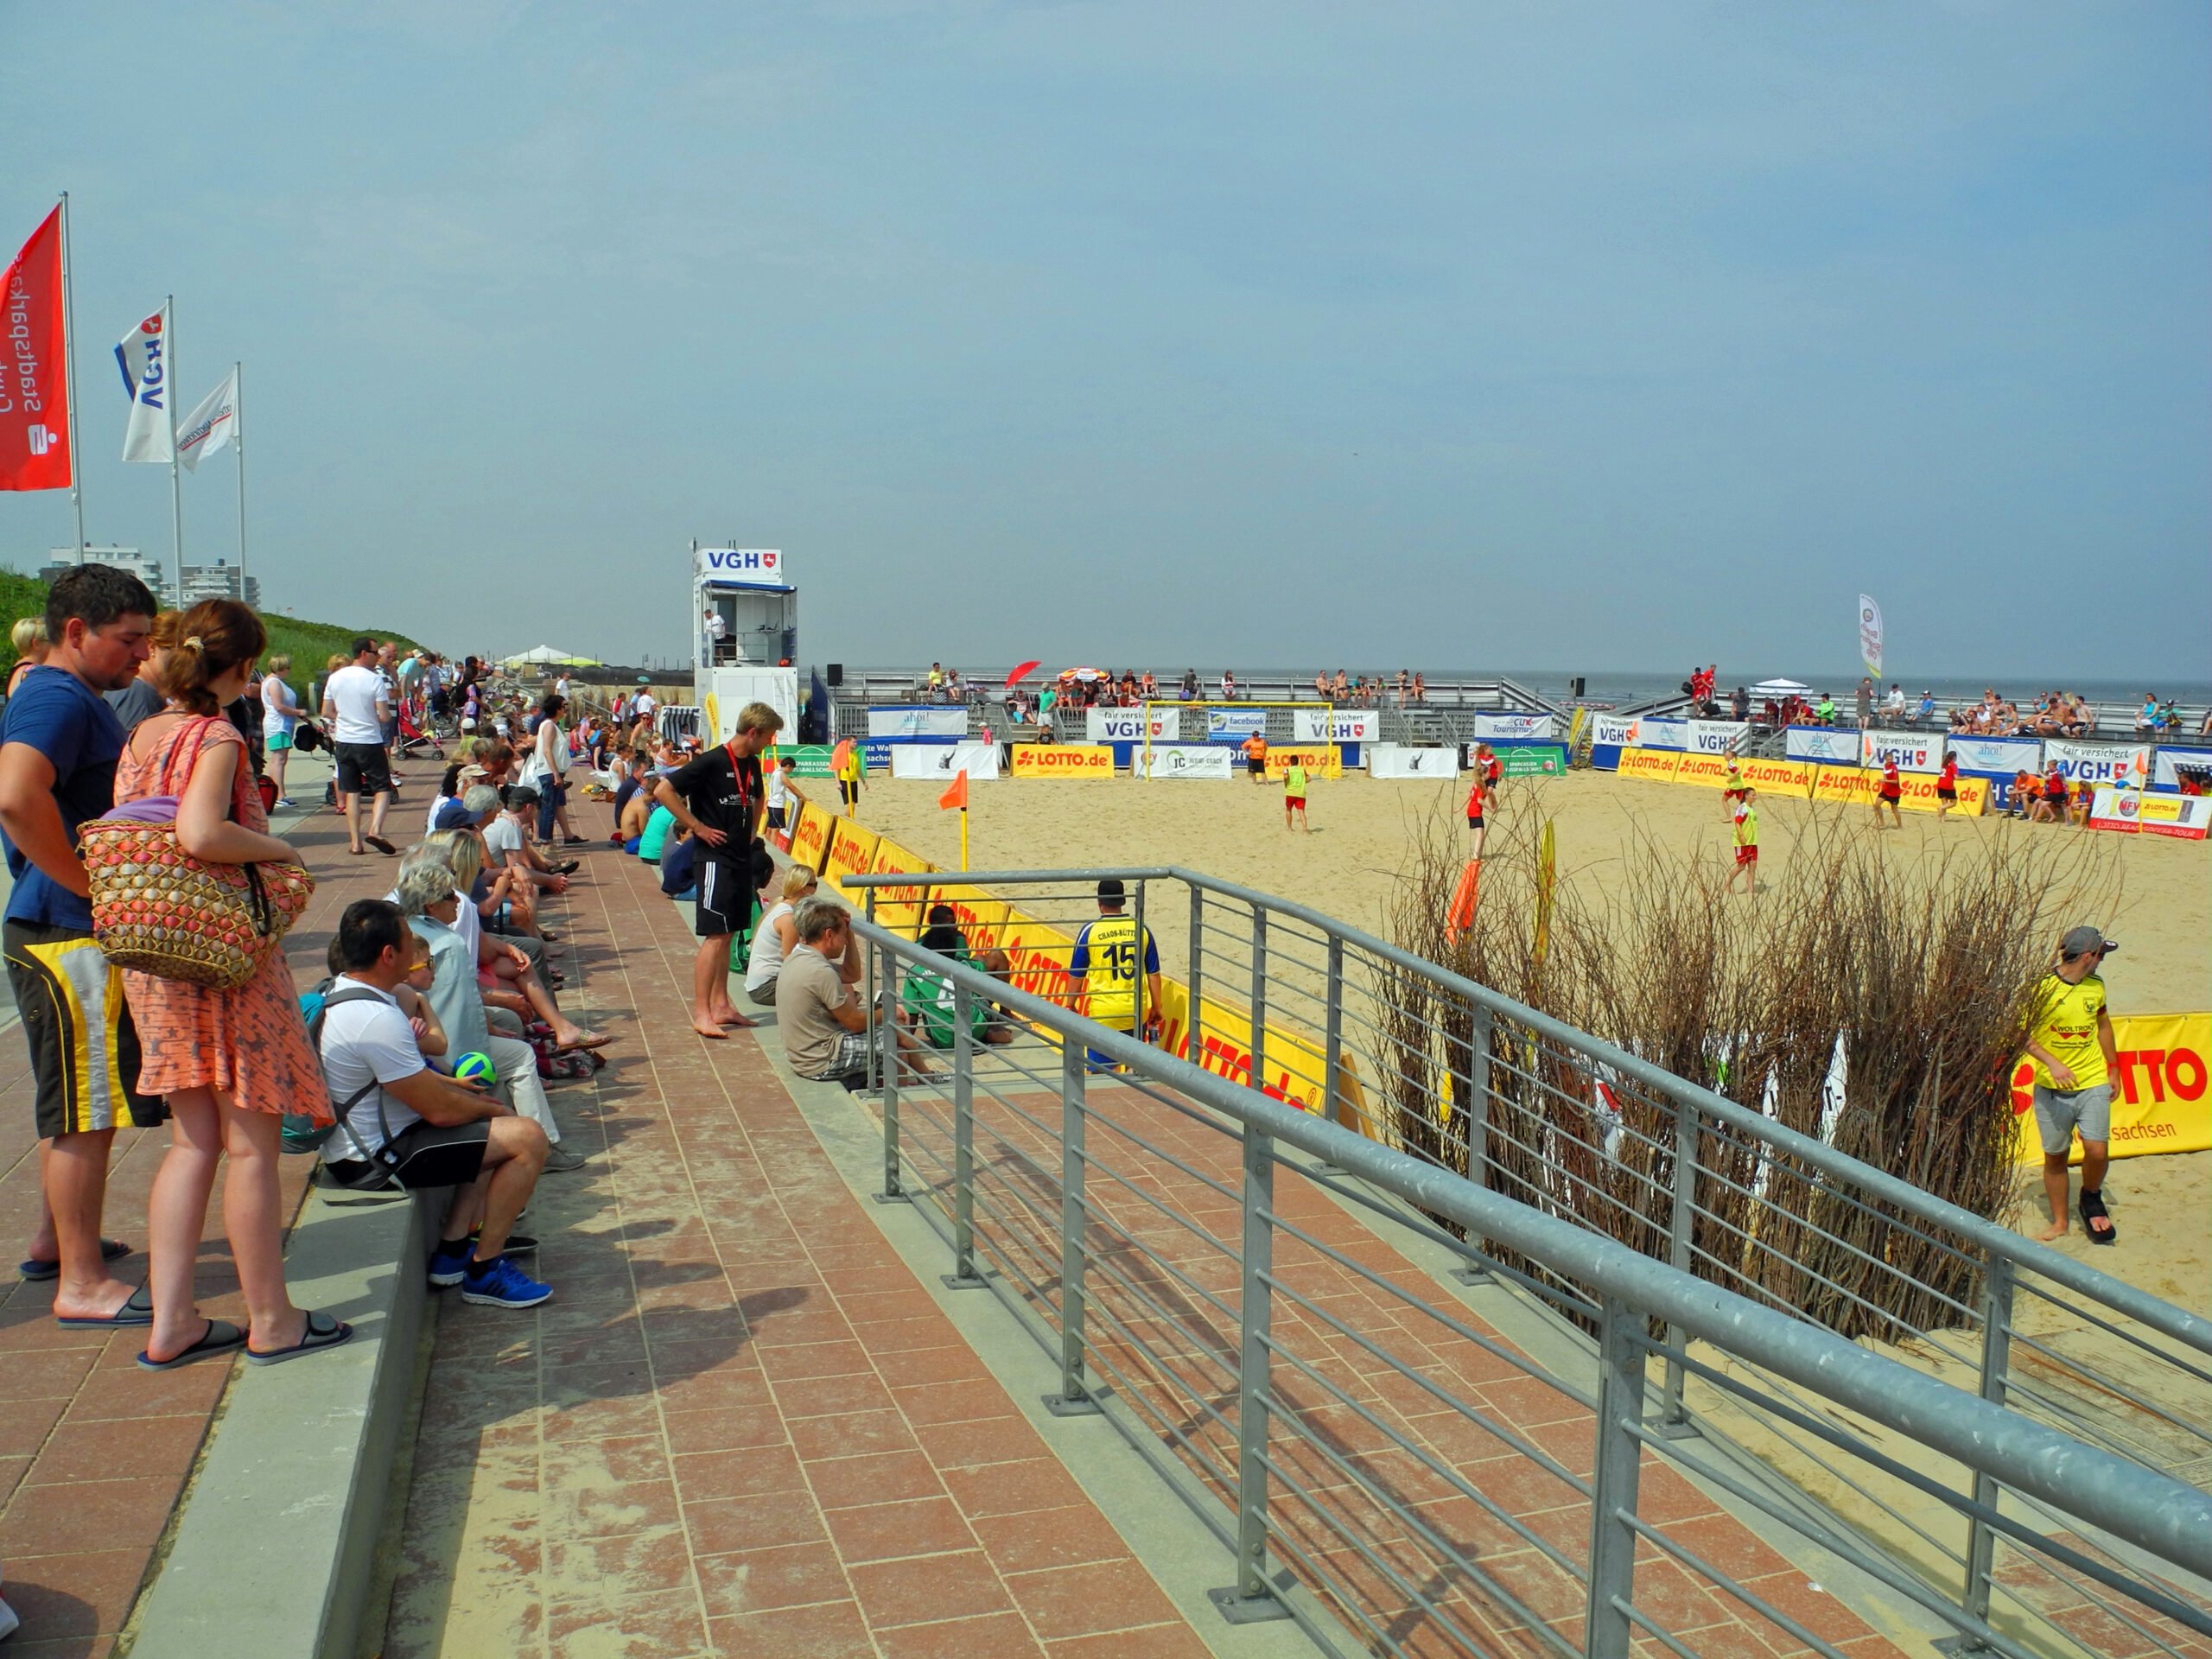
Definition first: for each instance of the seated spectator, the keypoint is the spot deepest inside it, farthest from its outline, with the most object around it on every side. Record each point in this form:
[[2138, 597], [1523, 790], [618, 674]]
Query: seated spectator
[[928, 1000], [633, 801], [506, 843], [679, 865], [432, 908], [511, 973], [421, 1129], [653, 840], [776, 934], [2023, 797], [825, 1032]]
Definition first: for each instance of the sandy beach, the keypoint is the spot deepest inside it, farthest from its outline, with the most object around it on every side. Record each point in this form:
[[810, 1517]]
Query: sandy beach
[[1350, 868]]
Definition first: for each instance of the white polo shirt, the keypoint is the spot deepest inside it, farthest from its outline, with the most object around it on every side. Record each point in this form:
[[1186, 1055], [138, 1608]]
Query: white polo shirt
[[364, 1040]]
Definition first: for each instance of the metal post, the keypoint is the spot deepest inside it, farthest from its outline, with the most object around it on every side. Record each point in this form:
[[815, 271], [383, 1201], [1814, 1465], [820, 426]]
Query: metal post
[[963, 1276], [868, 977], [887, 1053], [1613, 1484], [1996, 1362], [238, 453], [1477, 1129], [1137, 993], [1194, 1035], [1675, 1417], [1333, 1038], [1252, 1598], [1074, 1398], [1258, 1076], [69, 339]]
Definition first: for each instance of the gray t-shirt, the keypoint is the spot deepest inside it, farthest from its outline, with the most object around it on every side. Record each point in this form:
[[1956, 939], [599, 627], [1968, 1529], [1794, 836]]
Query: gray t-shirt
[[808, 988], [503, 834], [135, 702]]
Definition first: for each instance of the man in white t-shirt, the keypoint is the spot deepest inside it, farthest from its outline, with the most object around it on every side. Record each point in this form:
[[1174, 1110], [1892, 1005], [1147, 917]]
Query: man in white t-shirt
[[422, 1128], [642, 706], [355, 705]]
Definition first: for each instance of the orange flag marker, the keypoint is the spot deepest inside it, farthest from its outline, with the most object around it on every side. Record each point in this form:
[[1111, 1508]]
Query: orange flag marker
[[956, 796], [1461, 915]]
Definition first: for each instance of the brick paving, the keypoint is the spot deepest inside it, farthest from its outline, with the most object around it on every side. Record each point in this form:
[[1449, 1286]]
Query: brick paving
[[94, 1451], [742, 1427]]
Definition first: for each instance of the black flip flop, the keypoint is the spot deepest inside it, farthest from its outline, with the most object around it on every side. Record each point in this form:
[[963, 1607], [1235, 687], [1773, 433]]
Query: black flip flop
[[382, 846], [38, 1272], [2093, 1209], [222, 1337], [322, 1332], [138, 1309]]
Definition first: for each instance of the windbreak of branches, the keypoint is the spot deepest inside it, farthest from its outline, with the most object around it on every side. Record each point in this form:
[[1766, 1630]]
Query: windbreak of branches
[[1876, 1003]]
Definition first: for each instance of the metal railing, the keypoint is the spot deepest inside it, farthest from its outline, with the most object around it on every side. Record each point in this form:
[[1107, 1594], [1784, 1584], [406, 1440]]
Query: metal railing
[[1559, 1128]]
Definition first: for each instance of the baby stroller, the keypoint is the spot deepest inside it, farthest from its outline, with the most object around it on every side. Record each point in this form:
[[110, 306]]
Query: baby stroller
[[416, 735]]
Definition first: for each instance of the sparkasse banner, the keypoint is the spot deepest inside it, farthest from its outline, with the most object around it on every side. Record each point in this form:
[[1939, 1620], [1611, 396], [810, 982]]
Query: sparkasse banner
[[34, 366]]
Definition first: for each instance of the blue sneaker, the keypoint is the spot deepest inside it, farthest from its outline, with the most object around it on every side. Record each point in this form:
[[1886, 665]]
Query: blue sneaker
[[499, 1283], [448, 1262]]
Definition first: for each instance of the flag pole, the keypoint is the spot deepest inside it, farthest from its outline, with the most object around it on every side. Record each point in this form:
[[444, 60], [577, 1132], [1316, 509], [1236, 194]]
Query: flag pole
[[963, 838], [237, 443], [69, 343], [176, 490]]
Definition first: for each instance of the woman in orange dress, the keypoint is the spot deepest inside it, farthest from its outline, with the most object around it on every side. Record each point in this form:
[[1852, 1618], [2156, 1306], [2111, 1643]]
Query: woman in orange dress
[[231, 1062]]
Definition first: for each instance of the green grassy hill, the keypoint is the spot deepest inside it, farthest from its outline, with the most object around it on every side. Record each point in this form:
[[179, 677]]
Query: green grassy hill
[[308, 644]]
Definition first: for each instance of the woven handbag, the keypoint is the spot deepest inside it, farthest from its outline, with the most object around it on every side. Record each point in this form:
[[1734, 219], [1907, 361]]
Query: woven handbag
[[158, 909]]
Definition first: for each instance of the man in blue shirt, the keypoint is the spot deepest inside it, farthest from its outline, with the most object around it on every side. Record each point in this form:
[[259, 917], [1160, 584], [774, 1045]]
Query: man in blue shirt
[[58, 744]]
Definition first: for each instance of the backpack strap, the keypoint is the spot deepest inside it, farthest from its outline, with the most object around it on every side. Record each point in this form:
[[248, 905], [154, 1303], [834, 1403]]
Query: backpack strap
[[344, 1109]]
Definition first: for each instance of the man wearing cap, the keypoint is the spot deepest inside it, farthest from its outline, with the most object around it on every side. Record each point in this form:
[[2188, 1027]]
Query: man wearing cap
[[1104, 967], [2070, 1043]]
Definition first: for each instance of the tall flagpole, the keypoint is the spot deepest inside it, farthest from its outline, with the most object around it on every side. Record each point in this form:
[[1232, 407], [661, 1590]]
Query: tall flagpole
[[237, 443], [176, 490], [69, 331]]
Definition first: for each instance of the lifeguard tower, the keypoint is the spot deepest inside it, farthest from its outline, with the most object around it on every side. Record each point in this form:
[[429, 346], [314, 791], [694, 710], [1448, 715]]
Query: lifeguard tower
[[749, 657]]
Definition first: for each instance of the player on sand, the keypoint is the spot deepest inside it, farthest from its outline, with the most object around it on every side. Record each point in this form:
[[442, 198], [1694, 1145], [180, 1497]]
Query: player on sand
[[1747, 843], [1477, 803], [1947, 786], [1293, 795], [1891, 793], [2071, 1044], [1732, 790]]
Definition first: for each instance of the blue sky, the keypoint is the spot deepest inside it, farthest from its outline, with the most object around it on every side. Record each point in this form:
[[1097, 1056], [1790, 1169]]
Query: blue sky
[[1470, 334]]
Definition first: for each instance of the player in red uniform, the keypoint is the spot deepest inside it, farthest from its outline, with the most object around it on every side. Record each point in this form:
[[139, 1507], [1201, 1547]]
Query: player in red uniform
[[1891, 793], [1478, 799], [1947, 786]]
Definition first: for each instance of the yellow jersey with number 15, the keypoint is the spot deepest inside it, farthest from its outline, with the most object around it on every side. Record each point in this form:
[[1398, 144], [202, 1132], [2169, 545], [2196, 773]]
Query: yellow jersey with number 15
[[1106, 959]]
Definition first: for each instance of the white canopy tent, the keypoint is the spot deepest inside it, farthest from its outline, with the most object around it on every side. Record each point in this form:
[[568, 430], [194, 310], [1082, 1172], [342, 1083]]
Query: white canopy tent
[[1780, 689], [548, 656]]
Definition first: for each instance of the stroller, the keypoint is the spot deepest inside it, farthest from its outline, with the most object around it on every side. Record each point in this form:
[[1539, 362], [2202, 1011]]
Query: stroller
[[417, 735]]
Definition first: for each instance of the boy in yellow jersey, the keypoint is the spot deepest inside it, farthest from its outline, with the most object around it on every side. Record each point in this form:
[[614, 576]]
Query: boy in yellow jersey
[[2071, 1044], [1293, 795], [1747, 842], [1104, 965], [852, 778]]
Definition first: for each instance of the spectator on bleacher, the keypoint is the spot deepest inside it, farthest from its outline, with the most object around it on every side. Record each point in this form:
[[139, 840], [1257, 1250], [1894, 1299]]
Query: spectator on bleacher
[[776, 935], [633, 801], [512, 971], [1190, 689], [824, 1027], [1228, 685], [1824, 711], [422, 1129], [1421, 687]]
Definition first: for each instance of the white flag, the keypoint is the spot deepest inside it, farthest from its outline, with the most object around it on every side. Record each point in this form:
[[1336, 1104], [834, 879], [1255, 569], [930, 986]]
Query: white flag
[[143, 356], [211, 426], [1870, 635]]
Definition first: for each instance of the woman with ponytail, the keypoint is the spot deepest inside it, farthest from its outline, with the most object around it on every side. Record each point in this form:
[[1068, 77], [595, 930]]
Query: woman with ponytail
[[231, 1062]]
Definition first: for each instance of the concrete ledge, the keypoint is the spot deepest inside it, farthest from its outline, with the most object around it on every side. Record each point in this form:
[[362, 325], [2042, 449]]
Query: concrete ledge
[[273, 1549]]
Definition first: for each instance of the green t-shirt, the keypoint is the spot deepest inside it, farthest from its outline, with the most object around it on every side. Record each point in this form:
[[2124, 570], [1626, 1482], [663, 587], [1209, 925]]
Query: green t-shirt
[[927, 998]]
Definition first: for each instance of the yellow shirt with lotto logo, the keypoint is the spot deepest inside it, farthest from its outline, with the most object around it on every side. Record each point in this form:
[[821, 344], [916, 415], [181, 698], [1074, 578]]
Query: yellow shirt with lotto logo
[[2066, 1029], [1105, 957]]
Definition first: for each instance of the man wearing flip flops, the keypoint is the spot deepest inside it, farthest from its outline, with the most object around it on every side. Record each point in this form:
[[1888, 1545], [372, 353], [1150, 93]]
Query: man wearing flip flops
[[2071, 1044]]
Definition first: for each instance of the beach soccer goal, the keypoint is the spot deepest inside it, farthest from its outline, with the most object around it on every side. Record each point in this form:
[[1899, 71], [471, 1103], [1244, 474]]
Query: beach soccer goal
[[1203, 739]]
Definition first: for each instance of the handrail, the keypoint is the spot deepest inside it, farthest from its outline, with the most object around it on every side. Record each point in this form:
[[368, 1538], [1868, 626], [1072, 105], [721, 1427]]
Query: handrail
[[2162, 1316], [2138, 1506]]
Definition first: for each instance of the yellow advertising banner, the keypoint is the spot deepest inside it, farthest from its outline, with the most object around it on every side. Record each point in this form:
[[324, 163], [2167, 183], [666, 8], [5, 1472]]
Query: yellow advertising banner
[[1844, 785], [1656, 765], [1790, 777], [1920, 792], [1707, 771], [1062, 761], [900, 908], [810, 835], [2159, 1101], [851, 848], [1319, 759]]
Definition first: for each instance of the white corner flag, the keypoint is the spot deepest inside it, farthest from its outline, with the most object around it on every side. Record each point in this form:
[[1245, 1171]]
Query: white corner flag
[[211, 426], [143, 356], [1870, 635]]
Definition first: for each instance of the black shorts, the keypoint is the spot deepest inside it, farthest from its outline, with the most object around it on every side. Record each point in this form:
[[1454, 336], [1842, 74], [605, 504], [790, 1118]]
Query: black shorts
[[1944, 794], [422, 1155], [1256, 765], [1474, 820], [85, 1055], [1892, 796], [725, 902], [851, 790], [775, 818], [363, 769]]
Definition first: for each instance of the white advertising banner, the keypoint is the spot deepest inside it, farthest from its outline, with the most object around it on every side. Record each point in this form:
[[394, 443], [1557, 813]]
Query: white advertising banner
[[1235, 724], [1407, 760], [2188, 816], [1996, 755], [1335, 725], [1612, 730], [1715, 736], [1127, 725], [1490, 727], [743, 567], [1186, 760], [2167, 764], [1662, 733], [941, 762], [1911, 750], [918, 720], [1829, 744], [2097, 763], [143, 355]]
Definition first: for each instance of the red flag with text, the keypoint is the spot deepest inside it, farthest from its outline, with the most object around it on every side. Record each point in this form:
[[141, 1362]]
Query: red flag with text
[[34, 372]]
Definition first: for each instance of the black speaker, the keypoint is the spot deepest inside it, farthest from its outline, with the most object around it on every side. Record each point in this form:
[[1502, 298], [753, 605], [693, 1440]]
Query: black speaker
[[1576, 683], [836, 674]]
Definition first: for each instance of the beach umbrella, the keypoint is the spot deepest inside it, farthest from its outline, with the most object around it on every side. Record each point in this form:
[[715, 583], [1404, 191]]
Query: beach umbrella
[[1780, 689], [1021, 674]]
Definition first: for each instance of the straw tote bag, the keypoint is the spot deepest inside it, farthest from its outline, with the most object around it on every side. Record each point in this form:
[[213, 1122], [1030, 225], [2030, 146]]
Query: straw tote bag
[[157, 909]]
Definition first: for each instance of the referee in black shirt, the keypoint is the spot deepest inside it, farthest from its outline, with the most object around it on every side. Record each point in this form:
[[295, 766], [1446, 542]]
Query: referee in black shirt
[[720, 798]]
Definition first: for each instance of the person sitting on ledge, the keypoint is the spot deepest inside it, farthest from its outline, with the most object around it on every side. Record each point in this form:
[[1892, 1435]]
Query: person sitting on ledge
[[825, 1032]]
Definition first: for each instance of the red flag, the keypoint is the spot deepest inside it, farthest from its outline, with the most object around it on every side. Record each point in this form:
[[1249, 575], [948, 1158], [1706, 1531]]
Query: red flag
[[1461, 915], [955, 794], [34, 372]]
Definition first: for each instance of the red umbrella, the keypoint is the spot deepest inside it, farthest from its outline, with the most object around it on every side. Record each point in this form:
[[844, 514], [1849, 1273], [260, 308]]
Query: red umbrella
[[1022, 673]]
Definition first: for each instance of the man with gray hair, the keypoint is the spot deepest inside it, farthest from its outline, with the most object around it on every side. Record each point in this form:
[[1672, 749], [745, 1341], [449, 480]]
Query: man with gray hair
[[426, 898], [825, 1032]]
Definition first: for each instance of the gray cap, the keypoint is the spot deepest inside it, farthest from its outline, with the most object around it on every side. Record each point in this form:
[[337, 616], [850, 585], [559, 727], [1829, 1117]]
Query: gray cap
[[2082, 941]]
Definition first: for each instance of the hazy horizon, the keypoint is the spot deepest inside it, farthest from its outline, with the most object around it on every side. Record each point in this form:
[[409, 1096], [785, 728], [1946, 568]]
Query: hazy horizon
[[1405, 334]]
